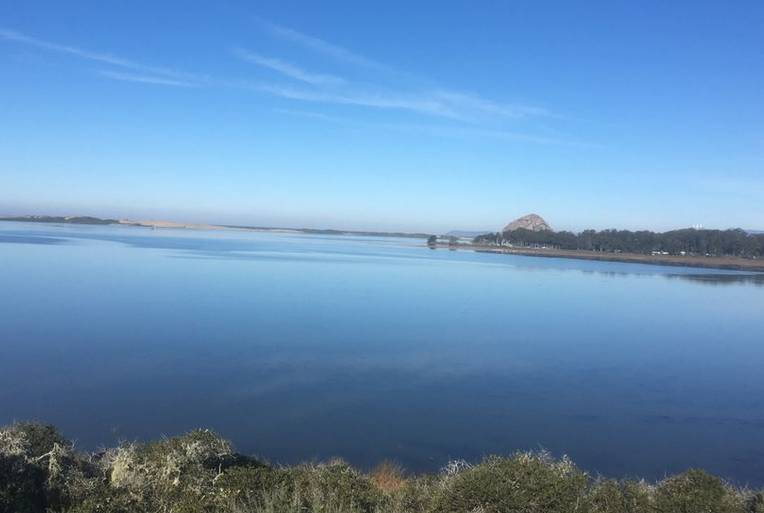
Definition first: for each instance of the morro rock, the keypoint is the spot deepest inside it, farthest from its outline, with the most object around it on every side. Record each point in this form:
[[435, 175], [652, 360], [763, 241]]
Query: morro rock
[[532, 222]]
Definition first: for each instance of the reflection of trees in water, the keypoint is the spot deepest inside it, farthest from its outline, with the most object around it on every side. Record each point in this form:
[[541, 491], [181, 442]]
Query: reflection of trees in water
[[23, 239], [702, 278], [721, 279], [706, 277]]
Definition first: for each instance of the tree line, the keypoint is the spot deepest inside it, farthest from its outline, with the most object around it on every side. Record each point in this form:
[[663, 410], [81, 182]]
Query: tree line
[[690, 241]]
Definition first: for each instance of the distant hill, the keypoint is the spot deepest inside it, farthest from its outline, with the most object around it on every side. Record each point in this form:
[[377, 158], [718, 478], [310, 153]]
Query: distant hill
[[328, 231], [532, 222], [60, 219], [466, 233]]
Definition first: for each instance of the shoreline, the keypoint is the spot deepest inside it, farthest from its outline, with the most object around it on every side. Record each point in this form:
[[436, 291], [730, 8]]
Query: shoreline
[[176, 225], [720, 263], [712, 262]]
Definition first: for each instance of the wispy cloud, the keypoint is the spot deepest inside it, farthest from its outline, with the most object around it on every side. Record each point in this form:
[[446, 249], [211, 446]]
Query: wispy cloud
[[448, 131], [414, 103], [104, 58], [288, 69], [400, 90], [314, 115], [145, 79], [457, 106], [18, 37], [315, 44], [475, 103], [380, 87]]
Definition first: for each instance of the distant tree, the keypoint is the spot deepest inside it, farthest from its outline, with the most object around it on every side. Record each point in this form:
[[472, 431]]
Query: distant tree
[[690, 241], [432, 241], [487, 238]]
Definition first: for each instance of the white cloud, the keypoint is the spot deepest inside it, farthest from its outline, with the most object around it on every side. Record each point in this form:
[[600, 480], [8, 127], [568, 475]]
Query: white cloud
[[320, 46], [290, 70], [400, 91], [390, 90], [104, 58], [414, 103], [478, 104], [146, 79], [432, 103]]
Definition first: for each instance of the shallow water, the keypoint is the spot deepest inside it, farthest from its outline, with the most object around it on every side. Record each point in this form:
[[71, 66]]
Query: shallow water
[[299, 347]]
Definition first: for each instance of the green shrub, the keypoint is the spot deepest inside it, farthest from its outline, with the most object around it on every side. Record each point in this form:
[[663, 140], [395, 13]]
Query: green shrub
[[610, 496], [105, 499], [415, 496], [250, 485], [695, 491], [29, 440], [525, 482], [36, 455], [22, 485], [40, 438], [332, 487], [755, 503], [200, 473], [176, 473]]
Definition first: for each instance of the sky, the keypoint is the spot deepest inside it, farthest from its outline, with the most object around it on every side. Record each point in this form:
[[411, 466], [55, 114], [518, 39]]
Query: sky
[[395, 115]]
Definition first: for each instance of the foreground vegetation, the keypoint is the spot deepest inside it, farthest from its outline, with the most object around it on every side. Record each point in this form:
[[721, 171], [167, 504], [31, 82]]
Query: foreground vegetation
[[200, 472]]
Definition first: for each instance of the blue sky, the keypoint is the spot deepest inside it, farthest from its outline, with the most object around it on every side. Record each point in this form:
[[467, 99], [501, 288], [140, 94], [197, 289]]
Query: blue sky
[[402, 115]]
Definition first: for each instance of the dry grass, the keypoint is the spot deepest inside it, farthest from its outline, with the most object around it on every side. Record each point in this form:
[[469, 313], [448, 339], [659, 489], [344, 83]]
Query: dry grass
[[388, 476]]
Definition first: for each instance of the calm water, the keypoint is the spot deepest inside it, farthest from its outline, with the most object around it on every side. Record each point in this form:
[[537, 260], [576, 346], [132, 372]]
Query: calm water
[[299, 347]]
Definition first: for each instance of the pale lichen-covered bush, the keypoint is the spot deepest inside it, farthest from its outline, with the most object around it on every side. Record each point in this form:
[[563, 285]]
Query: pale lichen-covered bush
[[39, 469], [333, 486], [13, 442], [29, 440], [696, 491], [249, 485], [167, 474], [454, 467], [123, 468], [40, 472], [610, 496], [527, 482]]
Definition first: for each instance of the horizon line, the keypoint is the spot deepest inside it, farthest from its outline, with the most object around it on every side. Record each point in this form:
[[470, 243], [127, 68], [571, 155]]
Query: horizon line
[[201, 225]]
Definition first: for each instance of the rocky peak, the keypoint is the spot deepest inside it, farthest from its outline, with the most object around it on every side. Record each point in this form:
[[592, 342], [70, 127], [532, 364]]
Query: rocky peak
[[532, 222]]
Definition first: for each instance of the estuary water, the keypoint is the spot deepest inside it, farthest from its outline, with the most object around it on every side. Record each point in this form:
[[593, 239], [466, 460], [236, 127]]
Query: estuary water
[[301, 347]]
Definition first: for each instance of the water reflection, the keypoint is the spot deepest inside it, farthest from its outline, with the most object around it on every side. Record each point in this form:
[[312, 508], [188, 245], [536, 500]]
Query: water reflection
[[300, 346], [721, 279], [698, 275], [29, 239], [258, 246]]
